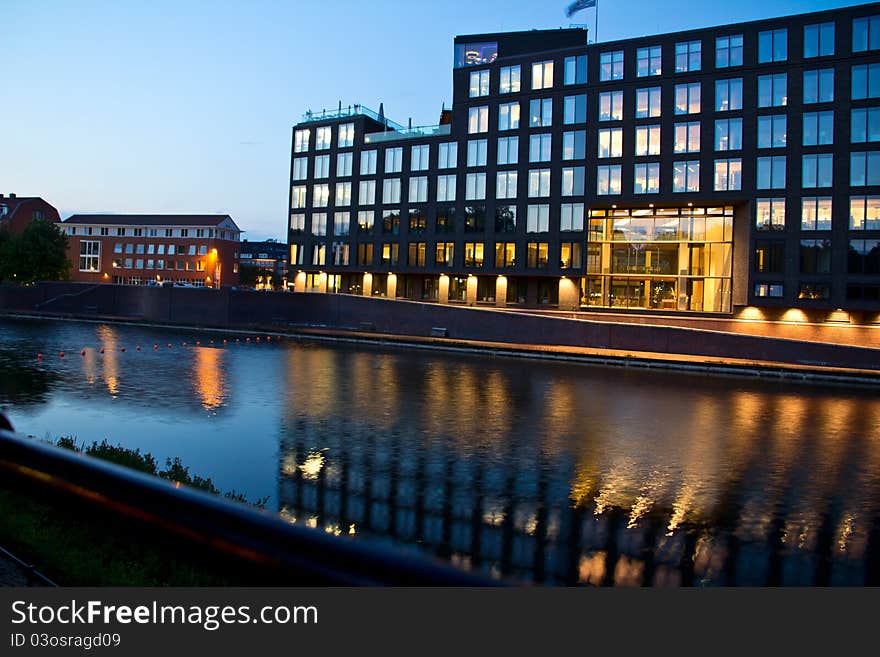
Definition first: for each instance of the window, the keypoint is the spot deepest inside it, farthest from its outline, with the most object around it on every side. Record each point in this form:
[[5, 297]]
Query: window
[[687, 98], [508, 116], [393, 160], [687, 56], [541, 113], [773, 90], [815, 257], [728, 175], [320, 195], [728, 134], [864, 213], [341, 222], [139, 264], [608, 180], [538, 219], [300, 168], [816, 213], [446, 188], [818, 40], [573, 181], [476, 153], [865, 81], [365, 254], [117, 248], [319, 224], [343, 164], [419, 158], [418, 223], [505, 186], [539, 183], [416, 257], [818, 128], [863, 257], [772, 131], [610, 142], [139, 249], [817, 170], [865, 125], [768, 290], [301, 140], [340, 253], [443, 253], [771, 172], [475, 186], [571, 217], [772, 46], [105, 232], [505, 218], [542, 75], [819, 86], [574, 145], [770, 213], [479, 83], [611, 106], [864, 169], [509, 80], [418, 189], [575, 70], [474, 218], [366, 220], [729, 51], [478, 120], [298, 197], [322, 166], [648, 61], [866, 33], [687, 137], [473, 254], [90, 256], [814, 291], [646, 178], [367, 192], [343, 194], [447, 155], [345, 138], [390, 254], [647, 140], [322, 138], [505, 254], [611, 65], [686, 176], [570, 255], [368, 163], [769, 256], [508, 150], [537, 255], [390, 222], [539, 147], [574, 109], [728, 95], [391, 191], [647, 102]]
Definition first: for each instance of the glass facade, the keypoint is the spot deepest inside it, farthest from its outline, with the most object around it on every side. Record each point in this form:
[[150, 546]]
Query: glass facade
[[664, 259]]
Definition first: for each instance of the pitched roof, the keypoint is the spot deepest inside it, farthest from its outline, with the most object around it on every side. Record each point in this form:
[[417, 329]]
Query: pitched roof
[[150, 219]]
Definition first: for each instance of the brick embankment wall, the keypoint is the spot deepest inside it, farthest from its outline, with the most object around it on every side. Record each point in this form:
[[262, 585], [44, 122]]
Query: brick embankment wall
[[229, 308]]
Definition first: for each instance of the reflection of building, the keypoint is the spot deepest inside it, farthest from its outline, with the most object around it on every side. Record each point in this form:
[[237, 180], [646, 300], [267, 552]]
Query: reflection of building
[[269, 256], [711, 170], [199, 250], [16, 212]]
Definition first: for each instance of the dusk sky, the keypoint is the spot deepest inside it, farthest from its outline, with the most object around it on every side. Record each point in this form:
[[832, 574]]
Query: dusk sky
[[186, 107]]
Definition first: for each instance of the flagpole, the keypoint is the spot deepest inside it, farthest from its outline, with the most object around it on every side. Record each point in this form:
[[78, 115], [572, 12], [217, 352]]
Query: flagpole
[[596, 28]]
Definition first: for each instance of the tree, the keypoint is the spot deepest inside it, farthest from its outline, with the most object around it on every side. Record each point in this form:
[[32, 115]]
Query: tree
[[250, 275], [39, 253]]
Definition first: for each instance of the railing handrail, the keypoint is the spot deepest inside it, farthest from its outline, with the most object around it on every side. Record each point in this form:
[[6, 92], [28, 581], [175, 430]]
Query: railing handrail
[[254, 538], [349, 110]]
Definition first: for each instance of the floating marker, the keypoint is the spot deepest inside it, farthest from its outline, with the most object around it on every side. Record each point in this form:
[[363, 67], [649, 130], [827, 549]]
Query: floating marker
[[268, 338], [247, 339], [258, 339], [169, 345], [122, 350], [102, 350], [82, 353], [237, 340], [224, 342], [138, 348], [155, 346], [61, 354], [198, 343], [39, 356], [212, 342]]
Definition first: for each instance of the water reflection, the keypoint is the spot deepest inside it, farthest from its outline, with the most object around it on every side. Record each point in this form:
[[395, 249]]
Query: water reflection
[[209, 378], [585, 476]]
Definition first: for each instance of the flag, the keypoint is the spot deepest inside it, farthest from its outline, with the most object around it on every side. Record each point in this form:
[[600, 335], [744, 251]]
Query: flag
[[578, 5]]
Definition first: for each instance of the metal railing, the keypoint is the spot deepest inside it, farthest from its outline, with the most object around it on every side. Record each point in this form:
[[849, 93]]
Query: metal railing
[[350, 110], [408, 133], [245, 540]]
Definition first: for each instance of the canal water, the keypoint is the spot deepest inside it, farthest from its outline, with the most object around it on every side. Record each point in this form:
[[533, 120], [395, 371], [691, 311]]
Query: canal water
[[547, 472]]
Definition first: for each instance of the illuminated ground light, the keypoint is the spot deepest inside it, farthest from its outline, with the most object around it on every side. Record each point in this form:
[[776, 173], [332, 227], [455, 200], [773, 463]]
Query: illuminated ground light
[[838, 316], [796, 316], [752, 314]]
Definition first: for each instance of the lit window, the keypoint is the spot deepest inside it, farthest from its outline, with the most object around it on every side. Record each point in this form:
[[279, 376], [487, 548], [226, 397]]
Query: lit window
[[770, 214], [508, 150], [539, 183], [419, 158], [611, 106], [728, 134], [539, 147], [345, 137], [475, 186], [608, 180], [864, 213], [648, 140], [393, 160], [647, 102], [322, 138], [646, 178], [479, 84], [573, 181], [610, 142], [541, 113], [368, 163], [508, 116], [686, 176], [301, 140], [648, 61], [478, 120], [816, 213], [687, 98], [728, 175], [687, 137], [611, 65], [510, 76], [542, 75], [476, 156], [367, 192], [447, 155]]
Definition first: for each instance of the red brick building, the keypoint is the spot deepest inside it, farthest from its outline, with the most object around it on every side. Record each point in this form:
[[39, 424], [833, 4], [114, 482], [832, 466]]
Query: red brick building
[[16, 212], [137, 249]]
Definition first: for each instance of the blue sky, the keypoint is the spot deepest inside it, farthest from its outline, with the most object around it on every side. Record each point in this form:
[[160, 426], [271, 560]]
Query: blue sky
[[187, 106]]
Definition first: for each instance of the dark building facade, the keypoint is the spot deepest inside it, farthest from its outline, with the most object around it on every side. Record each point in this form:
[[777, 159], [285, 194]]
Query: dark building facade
[[268, 256], [732, 169]]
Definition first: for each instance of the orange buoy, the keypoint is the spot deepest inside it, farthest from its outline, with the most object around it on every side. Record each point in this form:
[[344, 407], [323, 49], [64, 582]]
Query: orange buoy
[[237, 340], [122, 350], [268, 338], [198, 343], [247, 340], [169, 345], [138, 348], [155, 346], [82, 353], [258, 339], [102, 350], [224, 342], [39, 356], [211, 342]]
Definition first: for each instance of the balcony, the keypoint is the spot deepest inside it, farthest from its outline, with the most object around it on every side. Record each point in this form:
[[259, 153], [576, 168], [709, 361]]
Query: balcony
[[408, 133], [351, 110]]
